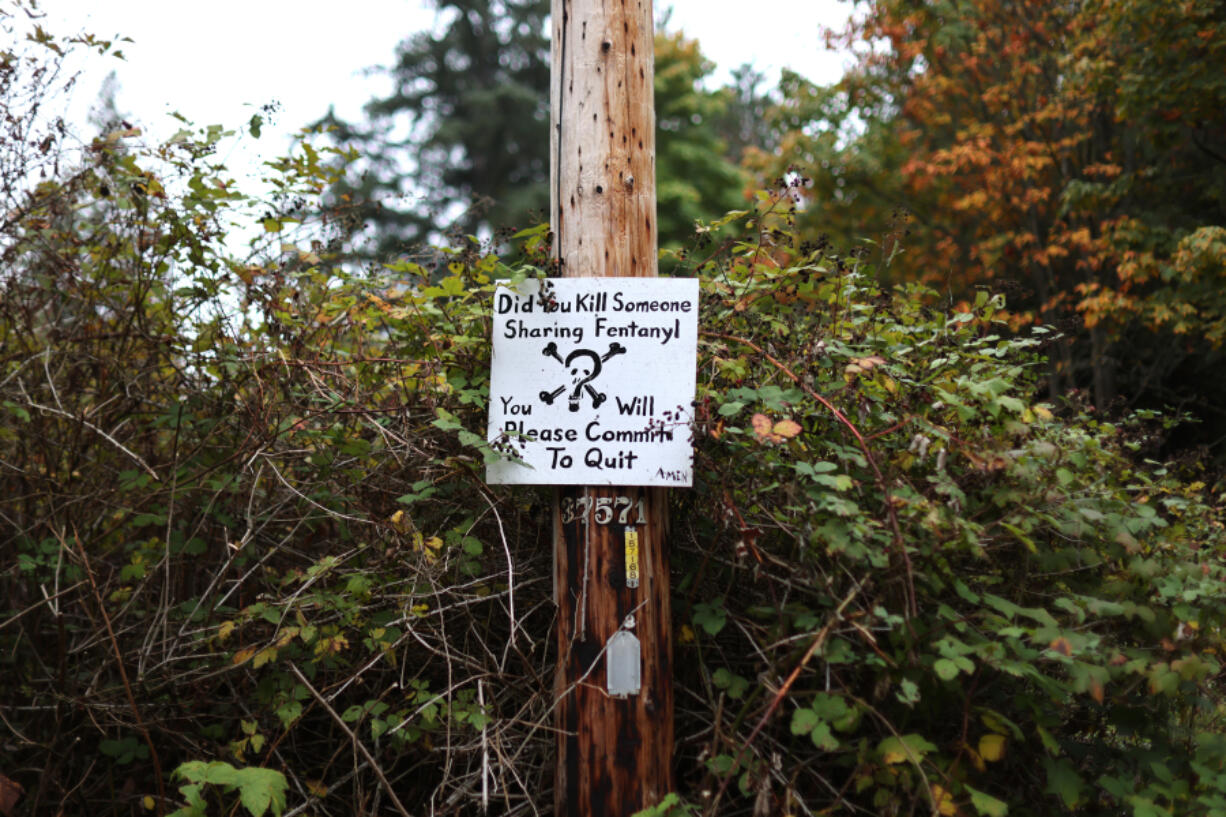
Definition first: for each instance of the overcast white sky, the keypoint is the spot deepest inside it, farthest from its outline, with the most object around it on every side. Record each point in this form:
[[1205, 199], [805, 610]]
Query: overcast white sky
[[217, 62]]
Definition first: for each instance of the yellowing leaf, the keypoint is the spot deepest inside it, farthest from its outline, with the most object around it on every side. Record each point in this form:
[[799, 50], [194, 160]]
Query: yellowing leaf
[[286, 635], [774, 432], [430, 547], [787, 429], [686, 636], [331, 646], [1061, 645], [992, 747], [402, 522], [905, 748], [225, 630], [243, 655], [263, 657], [944, 801], [894, 756]]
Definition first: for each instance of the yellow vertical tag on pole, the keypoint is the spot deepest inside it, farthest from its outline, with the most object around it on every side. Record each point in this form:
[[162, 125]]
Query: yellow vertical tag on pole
[[632, 557]]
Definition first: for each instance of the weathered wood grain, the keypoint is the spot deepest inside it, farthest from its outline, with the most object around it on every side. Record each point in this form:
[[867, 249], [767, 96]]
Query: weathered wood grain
[[614, 756], [603, 204]]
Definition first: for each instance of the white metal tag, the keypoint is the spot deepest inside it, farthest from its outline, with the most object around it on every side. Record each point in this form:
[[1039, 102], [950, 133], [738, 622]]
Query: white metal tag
[[623, 664]]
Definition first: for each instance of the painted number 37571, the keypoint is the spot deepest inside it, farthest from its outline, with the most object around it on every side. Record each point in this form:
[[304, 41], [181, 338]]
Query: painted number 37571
[[604, 510]]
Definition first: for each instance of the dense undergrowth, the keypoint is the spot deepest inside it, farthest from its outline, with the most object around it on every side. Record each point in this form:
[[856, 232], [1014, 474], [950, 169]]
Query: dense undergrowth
[[249, 560]]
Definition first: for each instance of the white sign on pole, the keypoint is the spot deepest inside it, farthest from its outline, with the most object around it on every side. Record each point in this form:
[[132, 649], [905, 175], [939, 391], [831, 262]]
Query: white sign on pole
[[592, 381]]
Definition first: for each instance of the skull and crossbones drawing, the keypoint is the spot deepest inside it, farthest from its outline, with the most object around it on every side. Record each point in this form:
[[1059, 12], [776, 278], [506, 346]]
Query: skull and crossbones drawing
[[582, 366]]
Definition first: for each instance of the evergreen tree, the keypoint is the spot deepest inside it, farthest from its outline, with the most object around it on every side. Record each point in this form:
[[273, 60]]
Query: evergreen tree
[[462, 141], [694, 178], [473, 152]]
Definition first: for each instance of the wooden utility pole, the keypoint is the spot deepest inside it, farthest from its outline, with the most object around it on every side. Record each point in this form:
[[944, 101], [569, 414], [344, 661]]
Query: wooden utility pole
[[614, 754]]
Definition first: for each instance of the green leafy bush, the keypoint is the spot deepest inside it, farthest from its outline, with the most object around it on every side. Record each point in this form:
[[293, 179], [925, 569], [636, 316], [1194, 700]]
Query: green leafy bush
[[259, 790], [951, 597], [246, 522]]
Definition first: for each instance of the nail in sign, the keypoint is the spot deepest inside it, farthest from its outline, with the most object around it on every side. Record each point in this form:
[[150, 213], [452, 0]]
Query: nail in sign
[[593, 381]]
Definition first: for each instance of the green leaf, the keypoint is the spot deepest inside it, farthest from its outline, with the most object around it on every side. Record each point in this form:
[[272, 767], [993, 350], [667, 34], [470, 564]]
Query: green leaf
[[711, 617], [1064, 781], [906, 748], [823, 738], [804, 720], [730, 682], [945, 669], [261, 789], [908, 692], [447, 421], [1012, 404], [830, 707], [1049, 743], [986, 804], [1144, 807], [722, 764], [220, 773], [196, 806]]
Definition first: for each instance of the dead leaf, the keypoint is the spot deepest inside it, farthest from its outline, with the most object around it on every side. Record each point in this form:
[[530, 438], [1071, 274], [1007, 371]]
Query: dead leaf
[[1096, 691], [1061, 645], [774, 432], [10, 793]]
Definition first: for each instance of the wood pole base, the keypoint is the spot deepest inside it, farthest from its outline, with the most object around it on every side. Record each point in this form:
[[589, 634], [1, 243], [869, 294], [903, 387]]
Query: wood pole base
[[614, 755]]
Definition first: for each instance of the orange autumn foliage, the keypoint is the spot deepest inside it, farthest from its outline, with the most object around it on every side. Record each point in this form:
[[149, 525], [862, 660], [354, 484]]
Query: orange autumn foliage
[[1069, 154]]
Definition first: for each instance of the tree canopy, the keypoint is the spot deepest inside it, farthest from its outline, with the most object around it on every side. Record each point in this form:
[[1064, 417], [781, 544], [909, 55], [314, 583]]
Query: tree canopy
[[1069, 154]]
